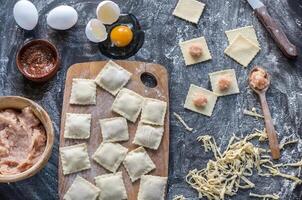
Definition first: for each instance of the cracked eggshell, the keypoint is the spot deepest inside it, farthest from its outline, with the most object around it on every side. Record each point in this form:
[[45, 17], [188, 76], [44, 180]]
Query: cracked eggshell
[[96, 31], [108, 12], [26, 14], [62, 17]]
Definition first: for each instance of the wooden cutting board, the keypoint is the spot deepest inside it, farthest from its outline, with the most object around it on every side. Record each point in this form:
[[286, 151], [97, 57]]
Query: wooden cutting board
[[102, 110]]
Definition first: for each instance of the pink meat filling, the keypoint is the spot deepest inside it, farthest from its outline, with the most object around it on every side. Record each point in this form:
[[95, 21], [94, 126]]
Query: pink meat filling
[[22, 140]]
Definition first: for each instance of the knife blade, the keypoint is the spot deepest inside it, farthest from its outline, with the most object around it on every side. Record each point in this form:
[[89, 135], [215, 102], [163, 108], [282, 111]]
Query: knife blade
[[275, 30]]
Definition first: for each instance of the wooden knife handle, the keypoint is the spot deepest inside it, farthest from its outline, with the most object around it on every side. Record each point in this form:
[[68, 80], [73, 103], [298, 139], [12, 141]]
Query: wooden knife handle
[[287, 48], [270, 130]]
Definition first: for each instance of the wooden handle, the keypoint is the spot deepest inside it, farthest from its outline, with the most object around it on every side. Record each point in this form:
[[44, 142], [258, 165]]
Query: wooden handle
[[270, 130], [287, 48]]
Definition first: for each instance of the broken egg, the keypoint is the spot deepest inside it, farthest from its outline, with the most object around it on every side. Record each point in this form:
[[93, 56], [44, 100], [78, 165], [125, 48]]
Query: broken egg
[[121, 36], [26, 14], [62, 17], [95, 31], [108, 12], [126, 38]]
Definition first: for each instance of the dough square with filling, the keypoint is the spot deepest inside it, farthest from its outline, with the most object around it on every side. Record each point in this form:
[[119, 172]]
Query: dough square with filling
[[207, 109], [114, 129], [113, 77], [215, 77], [137, 163], [190, 60], [112, 186], [247, 32], [74, 158], [110, 155], [153, 111], [83, 92], [189, 10], [128, 104], [242, 50], [77, 126], [148, 136], [152, 187], [82, 189]]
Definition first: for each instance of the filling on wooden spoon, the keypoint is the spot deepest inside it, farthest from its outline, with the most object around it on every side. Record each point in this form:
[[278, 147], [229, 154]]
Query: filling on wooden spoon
[[258, 79]]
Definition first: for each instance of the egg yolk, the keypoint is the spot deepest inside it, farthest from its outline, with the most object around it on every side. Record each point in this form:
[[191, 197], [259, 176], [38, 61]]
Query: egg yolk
[[121, 36]]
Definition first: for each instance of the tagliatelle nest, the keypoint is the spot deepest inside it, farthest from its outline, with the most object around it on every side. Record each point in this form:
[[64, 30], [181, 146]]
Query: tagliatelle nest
[[230, 170]]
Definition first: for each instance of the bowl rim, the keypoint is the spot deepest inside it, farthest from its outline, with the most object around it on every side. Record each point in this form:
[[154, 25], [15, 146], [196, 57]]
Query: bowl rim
[[47, 151], [47, 43]]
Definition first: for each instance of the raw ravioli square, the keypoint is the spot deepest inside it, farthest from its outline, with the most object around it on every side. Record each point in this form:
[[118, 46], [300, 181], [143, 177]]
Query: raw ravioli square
[[77, 126], [74, 158], [189, 10], [110, 155], [190, 60], [152, 187], [114, 129], [206, 110], [248, 32], [112, 186], [83, 92], [153, 111], [138, 163], [128, 104], [214, 78], [242, 50], [82, 189], [113, 77], [148, 136]]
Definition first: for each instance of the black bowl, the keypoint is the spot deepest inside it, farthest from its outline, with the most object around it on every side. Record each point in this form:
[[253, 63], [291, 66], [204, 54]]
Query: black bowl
[[108, 49]]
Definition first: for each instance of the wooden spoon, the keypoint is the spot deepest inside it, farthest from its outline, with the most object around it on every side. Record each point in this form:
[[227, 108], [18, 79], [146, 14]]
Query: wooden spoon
[[270, 130]]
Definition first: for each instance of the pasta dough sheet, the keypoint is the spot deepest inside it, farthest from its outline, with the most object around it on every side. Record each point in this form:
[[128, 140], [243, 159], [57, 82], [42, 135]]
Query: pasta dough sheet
[[206, 110], [247, 32], [190, 60], [242, 50], [189, 10], [214, 78]]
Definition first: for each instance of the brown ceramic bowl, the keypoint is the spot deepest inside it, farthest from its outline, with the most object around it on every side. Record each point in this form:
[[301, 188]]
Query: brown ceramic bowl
[[16, 102], [45, 76]]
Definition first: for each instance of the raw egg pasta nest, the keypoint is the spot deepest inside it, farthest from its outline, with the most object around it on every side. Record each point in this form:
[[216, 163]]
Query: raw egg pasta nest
[[230, 170]]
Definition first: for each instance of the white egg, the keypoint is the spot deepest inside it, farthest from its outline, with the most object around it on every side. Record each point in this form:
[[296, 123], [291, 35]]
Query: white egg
[[96, 31], [62, 17], [108, 12], [26, 14]]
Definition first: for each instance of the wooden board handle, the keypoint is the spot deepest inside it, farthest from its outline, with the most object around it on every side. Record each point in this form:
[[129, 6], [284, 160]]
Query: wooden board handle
[[287, 48], [270, 130]]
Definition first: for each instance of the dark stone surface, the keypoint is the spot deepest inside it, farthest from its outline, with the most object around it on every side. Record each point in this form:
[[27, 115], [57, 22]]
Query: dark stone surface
[[163, 32]]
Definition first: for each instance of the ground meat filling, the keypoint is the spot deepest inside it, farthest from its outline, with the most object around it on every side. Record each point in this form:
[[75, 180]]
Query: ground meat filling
[[22, 140], [258, 79], [224, 83], [195, 50], [200, 100]]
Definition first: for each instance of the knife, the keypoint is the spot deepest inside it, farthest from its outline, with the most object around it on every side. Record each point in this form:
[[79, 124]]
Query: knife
[[287, 48]]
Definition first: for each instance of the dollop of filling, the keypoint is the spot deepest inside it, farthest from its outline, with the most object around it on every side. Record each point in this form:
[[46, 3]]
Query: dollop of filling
[[258, 79], [195, 50], [22, 140], [224, 83], [200, 100]]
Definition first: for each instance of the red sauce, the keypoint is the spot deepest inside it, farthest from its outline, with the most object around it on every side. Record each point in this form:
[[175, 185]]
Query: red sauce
[[37, 60]]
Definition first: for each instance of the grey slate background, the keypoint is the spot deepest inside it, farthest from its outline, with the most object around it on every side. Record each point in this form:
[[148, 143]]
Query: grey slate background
[[163, 32]]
